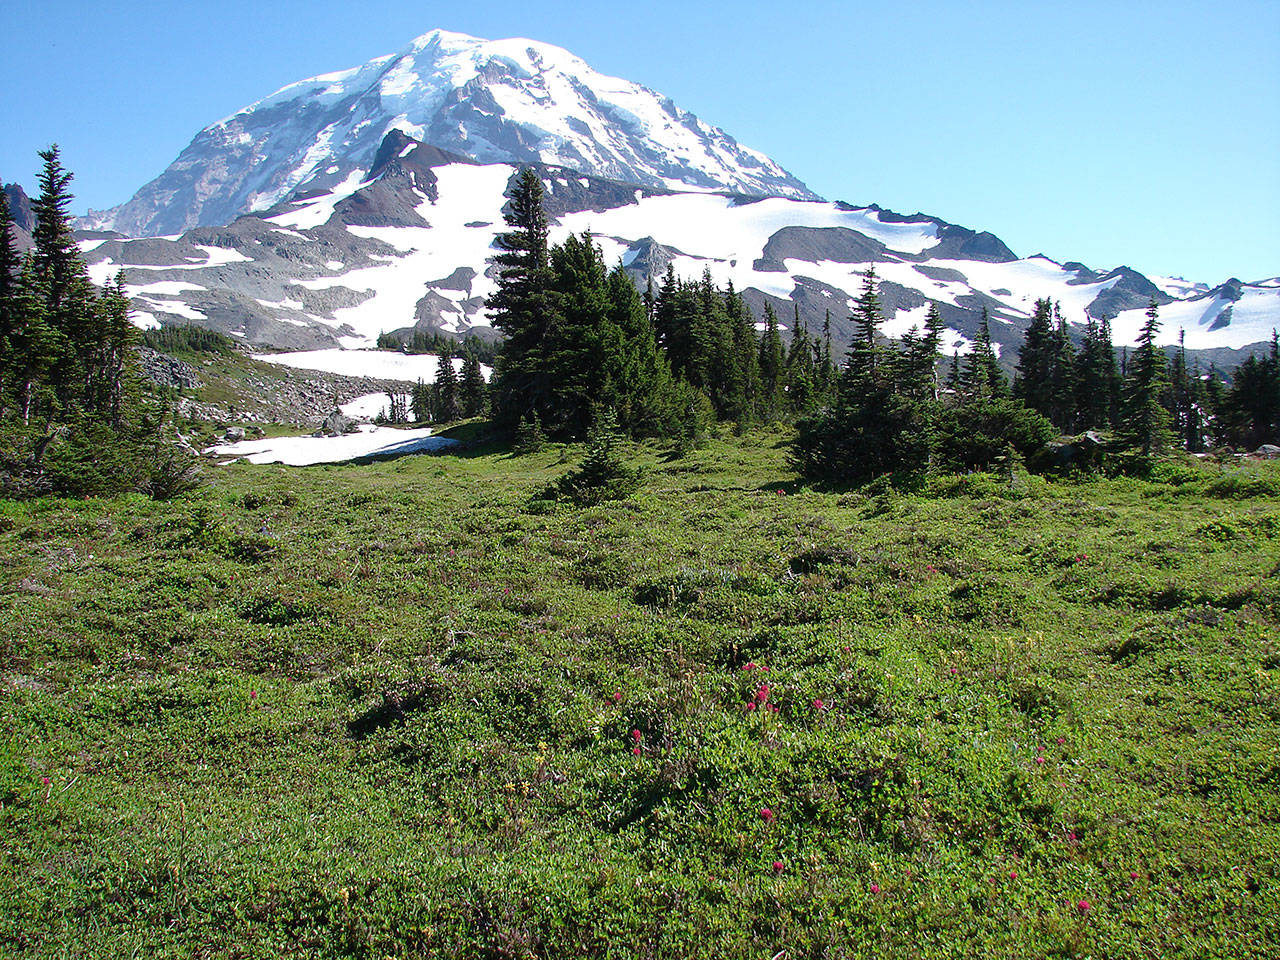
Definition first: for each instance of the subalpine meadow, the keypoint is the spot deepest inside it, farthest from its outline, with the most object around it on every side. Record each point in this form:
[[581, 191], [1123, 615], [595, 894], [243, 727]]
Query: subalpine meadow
[[413, 708]]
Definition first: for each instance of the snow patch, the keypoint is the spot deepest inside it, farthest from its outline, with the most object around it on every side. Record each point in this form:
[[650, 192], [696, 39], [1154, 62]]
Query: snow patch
[[368, 440]]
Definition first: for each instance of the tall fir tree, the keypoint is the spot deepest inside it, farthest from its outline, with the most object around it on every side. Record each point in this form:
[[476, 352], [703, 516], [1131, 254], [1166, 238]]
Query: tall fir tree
[[524, 307], [472, 389], [1146, 421], [446, 404], [771, 366]]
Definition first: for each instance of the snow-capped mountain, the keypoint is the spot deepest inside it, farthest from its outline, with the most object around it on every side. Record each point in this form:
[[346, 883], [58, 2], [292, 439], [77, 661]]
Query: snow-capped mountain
[[407, 243], [502, 100]]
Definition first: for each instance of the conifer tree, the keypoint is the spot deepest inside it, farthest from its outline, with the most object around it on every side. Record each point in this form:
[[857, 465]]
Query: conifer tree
[[472, 388], [524, 307], [771, 366], [1146, 422], [446, 390], [1035, 358]]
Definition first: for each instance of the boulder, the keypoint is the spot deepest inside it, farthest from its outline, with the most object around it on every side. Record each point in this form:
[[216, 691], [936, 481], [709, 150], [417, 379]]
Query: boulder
[[1268, 451], [335, 425], [234, 434]]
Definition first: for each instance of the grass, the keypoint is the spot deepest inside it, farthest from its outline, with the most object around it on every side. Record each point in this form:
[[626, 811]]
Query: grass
[[392, 710]]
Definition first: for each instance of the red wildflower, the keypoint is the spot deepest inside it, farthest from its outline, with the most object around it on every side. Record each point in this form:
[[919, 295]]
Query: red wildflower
[[751, 704], [778, 866], [1083, 906], [1013, 874], [617, 696], [875, 888], [636, 750], [749, 665], [766, 815], [818, 705], [636, 735], [253, 694], [44, 781]]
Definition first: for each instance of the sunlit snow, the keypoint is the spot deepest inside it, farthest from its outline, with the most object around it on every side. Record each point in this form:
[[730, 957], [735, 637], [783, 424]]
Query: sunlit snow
[[368, 440]]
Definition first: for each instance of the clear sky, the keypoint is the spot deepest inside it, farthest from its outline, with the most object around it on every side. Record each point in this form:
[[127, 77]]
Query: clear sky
[[1136, 133]]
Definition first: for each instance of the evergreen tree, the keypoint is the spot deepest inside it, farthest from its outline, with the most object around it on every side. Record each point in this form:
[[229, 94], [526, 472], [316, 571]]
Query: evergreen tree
[[932, 347], [447, 406], [1061, 388], [982, 376], [524, 308], [1033, 381], [421, 403], [472, 389], [771, 366], [1251, 408], [801, 369], [862, 362], [1146, 422]]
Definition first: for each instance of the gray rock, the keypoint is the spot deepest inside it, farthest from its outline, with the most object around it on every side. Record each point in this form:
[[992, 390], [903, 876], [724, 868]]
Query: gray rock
[[335, 425], [234, 434], [1268, 451]]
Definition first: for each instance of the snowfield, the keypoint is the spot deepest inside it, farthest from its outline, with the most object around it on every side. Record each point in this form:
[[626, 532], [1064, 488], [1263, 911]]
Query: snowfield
[[369, 440], [379, 364]]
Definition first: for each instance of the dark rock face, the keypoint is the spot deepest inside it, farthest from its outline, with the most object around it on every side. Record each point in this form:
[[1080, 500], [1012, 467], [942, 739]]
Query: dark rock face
[[960, 243], [24, 221], [647, 261], [838, 244], [1132, 291]]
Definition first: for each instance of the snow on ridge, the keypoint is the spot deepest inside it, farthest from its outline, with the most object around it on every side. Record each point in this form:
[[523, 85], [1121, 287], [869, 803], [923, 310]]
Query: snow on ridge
[[378, 364]]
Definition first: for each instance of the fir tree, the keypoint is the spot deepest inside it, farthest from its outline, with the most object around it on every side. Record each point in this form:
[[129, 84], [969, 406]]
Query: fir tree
[[1032, 384], [472, 389], [524, 307], [1146, 422], [771, 366], [447, 406]]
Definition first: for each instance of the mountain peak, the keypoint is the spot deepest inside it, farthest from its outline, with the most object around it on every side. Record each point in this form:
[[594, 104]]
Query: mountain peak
[[512, 100]]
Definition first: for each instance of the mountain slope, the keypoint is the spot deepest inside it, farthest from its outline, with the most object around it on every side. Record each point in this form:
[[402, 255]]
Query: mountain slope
[[409, 247], [504, 100]]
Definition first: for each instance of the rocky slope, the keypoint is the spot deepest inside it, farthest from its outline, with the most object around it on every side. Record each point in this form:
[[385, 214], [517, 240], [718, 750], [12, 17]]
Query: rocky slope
[[407, 245]]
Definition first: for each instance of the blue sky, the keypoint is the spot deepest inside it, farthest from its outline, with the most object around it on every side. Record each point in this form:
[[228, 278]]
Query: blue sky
[[1139, 133]]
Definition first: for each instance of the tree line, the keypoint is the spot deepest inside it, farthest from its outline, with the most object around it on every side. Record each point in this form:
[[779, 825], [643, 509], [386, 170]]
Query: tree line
[[72, 412], [580, 339]]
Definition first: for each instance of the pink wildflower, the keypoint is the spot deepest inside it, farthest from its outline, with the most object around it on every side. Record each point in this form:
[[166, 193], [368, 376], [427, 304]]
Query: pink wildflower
[[766, 815], [44, 781], [1083, 906], [773, 707], [763, 693], [751, 704], [819, 705], [1133, 874], [1061, 741], [636, 750], [782, 493], [617, 696], [778, 866], [1039, 759], [875, 888], [253, 694], [1013, 874], [636, 735], [954, 670], [749, 665]]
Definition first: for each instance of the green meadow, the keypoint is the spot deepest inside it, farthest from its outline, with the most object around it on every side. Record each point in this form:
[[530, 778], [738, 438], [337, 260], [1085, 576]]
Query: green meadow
[[412, 709]]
